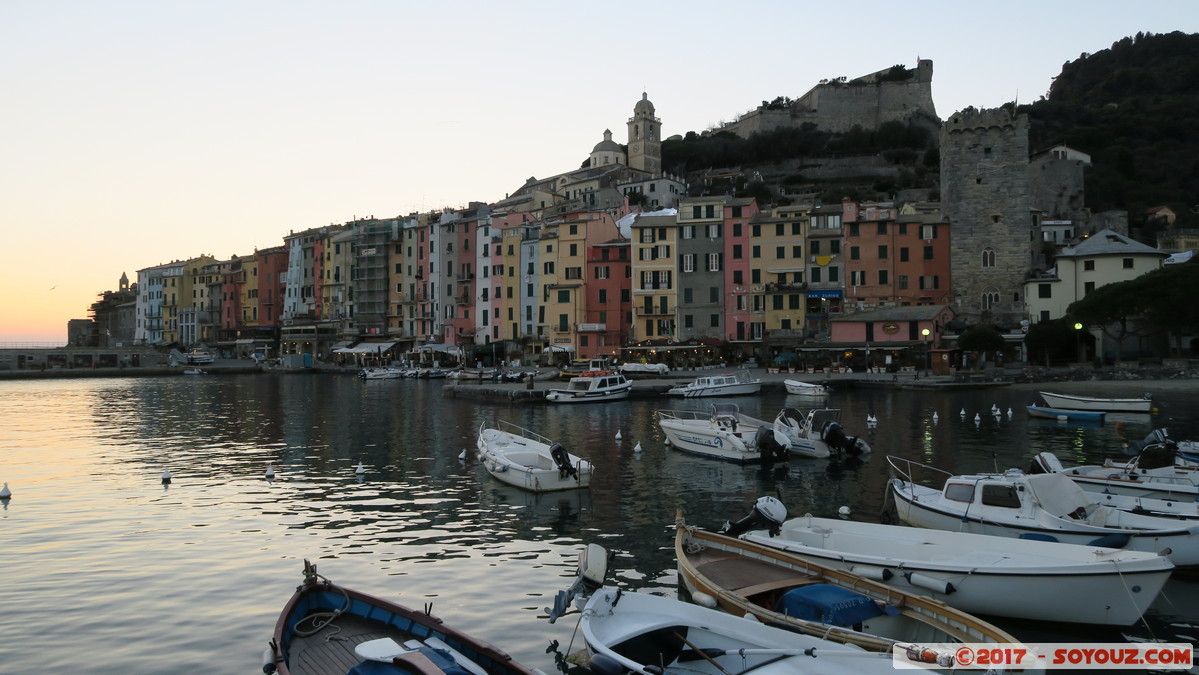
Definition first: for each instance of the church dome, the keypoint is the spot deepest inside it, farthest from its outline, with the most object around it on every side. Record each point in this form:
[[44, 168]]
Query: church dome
[[606, 145], [643, 107]]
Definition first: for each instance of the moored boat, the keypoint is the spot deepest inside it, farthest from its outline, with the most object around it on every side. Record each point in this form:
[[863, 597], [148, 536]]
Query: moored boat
[[979, 573], [801, 388], [381, 373], [1072, 402], [592, 387], [724, 433], [746, 578], [519, 457], [635, 632], [1046, 506], [738, 383], [327, 629], [1153, 473], [1063, 414]]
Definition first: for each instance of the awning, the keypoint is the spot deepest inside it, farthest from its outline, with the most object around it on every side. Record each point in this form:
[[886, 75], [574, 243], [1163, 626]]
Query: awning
[[439, 347], [246, 341], [566, 349], [366, 348], [342, 344]]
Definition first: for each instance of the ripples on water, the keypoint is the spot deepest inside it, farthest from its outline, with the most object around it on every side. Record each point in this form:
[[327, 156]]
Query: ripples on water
[[109, 571]]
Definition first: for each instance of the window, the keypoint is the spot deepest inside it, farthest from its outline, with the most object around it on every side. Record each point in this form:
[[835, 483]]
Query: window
[[574, 272], [902, 279], [713, 231], [755, 252], [988, 259], [1044, 291], [778, 229], [780, 252], [602, 272], [714, 262], [714, 320], [663, 251], [882, 252], [548, 268], [710, 212], [990, 300], [737, 252], [1000, 495], [1087, 288], [1088, 265], [928, 231], [855, 253], [928, 252], [689, 262], [603, 296], [688, 295], [814, 275], [688, 321], [574, 248], [930, 283], [857, 277], [714, 294], [903, 254], [797, 252], [960, 492], [688, 232], [883, 277], [853, 229], [697, 212], [1128, 263], [882, 228], [738, 277]]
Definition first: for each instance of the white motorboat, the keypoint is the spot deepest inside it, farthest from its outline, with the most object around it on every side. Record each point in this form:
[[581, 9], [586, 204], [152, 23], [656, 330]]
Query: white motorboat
[[1125, 405], [381, 373], [738, 383], [200, 357], [1153, 474], [816, 434], [979, 573], [1047, 506], [527, 460], [628, 631], [592, 386], [801, 388], [729, 434]]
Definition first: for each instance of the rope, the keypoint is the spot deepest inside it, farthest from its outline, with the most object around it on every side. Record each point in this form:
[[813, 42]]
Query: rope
[[320, 620]]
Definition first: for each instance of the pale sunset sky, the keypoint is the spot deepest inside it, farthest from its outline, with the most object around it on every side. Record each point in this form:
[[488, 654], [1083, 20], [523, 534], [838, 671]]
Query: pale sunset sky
[[134, 133]]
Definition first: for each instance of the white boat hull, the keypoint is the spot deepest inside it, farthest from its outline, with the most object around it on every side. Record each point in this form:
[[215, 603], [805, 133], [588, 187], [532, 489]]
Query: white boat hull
[[528, 463], [800, 388], [917, 505], [1127, 405], [613, 621], [984, 575], [700, 437]]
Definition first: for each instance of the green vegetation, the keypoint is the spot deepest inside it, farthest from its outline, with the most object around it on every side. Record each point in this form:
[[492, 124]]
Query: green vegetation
[[1132, 108], [1160, 302]]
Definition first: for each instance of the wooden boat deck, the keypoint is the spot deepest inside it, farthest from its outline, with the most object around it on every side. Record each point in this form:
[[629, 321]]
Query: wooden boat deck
[[746, 576], [330, 651]]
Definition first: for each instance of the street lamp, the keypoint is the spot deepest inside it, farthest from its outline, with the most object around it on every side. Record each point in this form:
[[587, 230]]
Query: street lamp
[[928, 364], [1078, 340]]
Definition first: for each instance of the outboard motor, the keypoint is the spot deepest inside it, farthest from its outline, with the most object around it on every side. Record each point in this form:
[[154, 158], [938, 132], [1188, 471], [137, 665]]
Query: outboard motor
[[768, 513], [1156, 436], [837, 439], [562, 461], [1158, 455], [593, 569], [769, 449]]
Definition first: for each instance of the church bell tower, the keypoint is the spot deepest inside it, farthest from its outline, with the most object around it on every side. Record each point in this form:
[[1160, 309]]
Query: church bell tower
[[645, 137]]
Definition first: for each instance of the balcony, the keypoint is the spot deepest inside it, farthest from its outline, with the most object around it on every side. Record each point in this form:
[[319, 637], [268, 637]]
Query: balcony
[[782, 288]]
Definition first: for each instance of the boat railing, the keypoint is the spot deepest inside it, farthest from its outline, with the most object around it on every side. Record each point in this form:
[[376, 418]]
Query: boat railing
[[906, 470], [685, 414], [508, 427]]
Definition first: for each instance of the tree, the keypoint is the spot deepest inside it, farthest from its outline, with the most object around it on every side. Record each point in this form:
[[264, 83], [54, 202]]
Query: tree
[[1116, 309], [1051, 341], [982, 339]]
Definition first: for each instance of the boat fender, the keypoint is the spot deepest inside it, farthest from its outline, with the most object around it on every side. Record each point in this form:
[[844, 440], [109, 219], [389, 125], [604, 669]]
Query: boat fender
[[876, 573], [703, 600], [1111, 541], [929, 582], [268, 660]]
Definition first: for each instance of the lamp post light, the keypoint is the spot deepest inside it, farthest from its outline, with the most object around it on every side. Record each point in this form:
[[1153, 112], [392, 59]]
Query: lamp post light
[[928, 365]]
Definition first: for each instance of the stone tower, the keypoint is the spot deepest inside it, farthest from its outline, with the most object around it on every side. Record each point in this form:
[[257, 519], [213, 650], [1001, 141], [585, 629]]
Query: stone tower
[[986, 196], [645, 137]]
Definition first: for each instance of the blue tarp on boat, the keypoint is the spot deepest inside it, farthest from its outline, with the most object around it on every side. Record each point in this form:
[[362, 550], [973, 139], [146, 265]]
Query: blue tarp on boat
[[826, 603]]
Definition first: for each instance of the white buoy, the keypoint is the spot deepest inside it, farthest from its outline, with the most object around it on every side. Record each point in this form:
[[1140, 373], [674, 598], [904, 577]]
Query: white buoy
[[5, 493], [963, 413], [1009, 413], [462, 455], [977, 417], [844, 511], [166, 476], [936, 416], [360, 470], [270, 471], [618, 436], [637, 448]]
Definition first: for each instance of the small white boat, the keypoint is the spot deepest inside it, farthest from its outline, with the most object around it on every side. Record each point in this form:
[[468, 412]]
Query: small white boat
[[194, 371], [633, 632], [817, 434], [1153, 473], [644, 369], [200, 357], [1071, 402], [801, 388], [381, 373], [517, 456], [592, 386], [979, 573], [1047, 506], [738, 383], [725, 433]]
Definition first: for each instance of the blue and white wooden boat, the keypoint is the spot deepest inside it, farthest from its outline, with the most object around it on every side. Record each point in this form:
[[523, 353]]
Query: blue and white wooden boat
[[1065, 415], [327, 629]]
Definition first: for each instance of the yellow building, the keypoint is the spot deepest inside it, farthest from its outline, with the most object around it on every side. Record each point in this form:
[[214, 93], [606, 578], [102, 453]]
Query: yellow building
[[655, 289]]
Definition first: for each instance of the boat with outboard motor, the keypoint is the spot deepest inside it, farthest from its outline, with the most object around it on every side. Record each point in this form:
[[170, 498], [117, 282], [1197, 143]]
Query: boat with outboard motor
[[729, 434], [592, 387], [1047, 506], [801, 388], [1152, 473], [635, 632], [976, 573], [327, 629], [746, 578], [517, 456]]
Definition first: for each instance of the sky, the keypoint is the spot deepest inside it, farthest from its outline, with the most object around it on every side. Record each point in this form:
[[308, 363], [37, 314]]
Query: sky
[[134, 133]]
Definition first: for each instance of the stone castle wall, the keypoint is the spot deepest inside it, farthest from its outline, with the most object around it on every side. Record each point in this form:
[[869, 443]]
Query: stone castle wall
[[839, 107]]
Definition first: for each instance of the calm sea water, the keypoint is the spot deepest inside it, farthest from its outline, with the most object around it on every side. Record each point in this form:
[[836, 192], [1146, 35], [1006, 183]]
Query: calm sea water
[[106, 570]]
